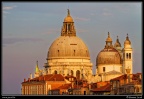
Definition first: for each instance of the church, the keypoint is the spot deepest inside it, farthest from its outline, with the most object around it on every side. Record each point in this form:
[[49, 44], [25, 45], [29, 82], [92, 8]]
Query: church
[[69, 55]]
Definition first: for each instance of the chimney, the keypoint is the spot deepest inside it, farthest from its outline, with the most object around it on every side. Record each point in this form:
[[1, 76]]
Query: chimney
[[29, 79], [24, 80]]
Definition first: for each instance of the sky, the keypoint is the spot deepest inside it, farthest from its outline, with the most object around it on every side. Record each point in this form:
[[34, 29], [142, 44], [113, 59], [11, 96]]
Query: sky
[[29, 28]]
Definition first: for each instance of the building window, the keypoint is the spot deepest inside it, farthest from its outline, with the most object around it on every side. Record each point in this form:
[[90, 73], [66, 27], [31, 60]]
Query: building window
[[55, 72], [86, 52], [58, 52], [78, 74], [74, 52], [103, 69]]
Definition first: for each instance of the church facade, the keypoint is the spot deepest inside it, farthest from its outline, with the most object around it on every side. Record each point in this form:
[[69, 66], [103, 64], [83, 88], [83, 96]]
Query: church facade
[[69, 55]]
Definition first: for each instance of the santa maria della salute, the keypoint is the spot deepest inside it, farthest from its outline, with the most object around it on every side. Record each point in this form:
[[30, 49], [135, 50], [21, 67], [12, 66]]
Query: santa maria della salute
[[68, 68]]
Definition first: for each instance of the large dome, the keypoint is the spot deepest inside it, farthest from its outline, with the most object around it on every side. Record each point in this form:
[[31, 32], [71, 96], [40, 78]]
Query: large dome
[[68, 47], [108, 56]]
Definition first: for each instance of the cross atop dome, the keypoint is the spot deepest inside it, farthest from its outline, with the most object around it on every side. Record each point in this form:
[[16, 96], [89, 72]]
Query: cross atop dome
[[68, 14], [108, 35]]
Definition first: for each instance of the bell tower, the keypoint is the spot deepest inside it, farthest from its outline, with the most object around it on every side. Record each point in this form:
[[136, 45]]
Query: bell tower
[[127, 56]]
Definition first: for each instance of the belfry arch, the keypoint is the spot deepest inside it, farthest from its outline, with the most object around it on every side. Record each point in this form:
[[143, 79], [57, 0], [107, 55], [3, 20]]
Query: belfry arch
[[78, 74]]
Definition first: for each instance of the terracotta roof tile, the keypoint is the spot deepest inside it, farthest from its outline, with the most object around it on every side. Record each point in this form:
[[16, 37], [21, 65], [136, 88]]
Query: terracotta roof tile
[[65, 86], [56, 77], [120, 77], [49, 77], [70, 76], [103, 88], [134, 77]]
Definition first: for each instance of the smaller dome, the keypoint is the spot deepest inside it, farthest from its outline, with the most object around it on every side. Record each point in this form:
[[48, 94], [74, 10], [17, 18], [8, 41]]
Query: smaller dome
[[108, 56], [117, 44], [68, 18], [127, 41]]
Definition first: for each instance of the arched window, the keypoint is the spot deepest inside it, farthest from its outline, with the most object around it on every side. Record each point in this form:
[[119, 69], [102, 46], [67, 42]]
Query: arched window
[[71, 73], [103, 69], [78, 74], [55, 72], [129, 55], [68, 27], [74, 52]]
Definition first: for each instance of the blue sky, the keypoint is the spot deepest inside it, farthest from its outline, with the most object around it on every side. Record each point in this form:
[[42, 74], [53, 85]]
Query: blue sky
[[29, 28]]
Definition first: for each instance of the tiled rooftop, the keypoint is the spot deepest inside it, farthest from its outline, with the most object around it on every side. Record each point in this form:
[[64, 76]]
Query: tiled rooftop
[[49, 77], [103, 88]]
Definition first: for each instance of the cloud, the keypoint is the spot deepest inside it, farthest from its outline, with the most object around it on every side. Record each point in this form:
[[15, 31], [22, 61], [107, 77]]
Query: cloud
[[5, 12], [81, 19], [106, 13], [92, 14], [7, 41], [81, 30], [52, 30], [8, 7]]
